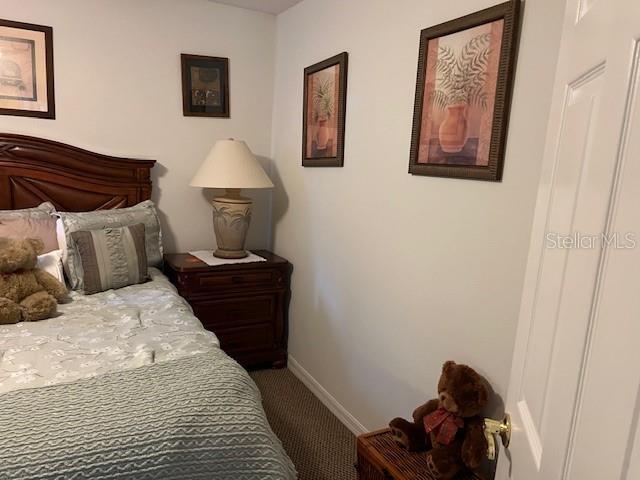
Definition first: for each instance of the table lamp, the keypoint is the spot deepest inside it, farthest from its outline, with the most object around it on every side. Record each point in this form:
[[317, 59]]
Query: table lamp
[[231, 165]]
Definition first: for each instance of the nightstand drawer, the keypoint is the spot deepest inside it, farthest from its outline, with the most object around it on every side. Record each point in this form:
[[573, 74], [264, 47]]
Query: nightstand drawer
[[254, 337], [235, 311], [207, 282]]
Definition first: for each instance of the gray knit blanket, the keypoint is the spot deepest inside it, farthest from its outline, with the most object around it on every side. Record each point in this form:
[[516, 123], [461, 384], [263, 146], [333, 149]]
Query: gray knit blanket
[[195, 417]]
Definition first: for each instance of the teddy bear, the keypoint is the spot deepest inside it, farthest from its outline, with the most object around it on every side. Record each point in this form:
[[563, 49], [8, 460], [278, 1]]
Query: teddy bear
[[26, 292], [449, 427]]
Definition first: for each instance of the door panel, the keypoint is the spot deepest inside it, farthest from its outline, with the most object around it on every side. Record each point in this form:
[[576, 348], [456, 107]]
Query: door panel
[[611, 377], [572, 168], [575, 378]]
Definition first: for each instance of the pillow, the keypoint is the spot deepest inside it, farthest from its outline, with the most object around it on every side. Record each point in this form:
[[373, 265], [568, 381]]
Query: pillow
[[31, 227], [111, 258], [144, 212], [52, 263], [44, 210], [62, 241]]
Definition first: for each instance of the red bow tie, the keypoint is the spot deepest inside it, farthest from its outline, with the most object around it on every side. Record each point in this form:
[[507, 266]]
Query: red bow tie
[[444, 423]]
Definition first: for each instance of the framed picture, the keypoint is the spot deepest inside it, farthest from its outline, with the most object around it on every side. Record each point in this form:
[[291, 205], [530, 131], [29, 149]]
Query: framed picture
[[463, 95], [324, 108], [26, 70], [205, 86]]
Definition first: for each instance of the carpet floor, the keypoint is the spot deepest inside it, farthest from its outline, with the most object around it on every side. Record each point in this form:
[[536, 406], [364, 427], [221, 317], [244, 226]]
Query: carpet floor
[[319, 445]]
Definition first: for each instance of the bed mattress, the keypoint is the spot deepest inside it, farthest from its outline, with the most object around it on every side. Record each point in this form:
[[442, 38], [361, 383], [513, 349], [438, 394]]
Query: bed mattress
[[95, 334], [127, 384]]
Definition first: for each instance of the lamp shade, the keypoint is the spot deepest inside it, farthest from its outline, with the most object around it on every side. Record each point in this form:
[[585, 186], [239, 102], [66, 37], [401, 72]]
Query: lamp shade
[[230, 164]]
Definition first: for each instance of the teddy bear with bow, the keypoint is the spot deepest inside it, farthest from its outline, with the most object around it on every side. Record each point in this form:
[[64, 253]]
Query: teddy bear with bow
[[449, 427]]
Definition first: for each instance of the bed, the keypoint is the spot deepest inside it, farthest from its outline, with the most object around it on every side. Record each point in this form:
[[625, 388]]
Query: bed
[[125, 383]]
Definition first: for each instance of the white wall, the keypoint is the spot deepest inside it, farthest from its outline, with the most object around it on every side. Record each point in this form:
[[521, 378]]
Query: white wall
[[393, 273], [118, 92]]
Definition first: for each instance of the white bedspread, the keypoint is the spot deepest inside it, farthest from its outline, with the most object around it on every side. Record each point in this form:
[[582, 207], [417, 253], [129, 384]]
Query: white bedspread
[[105, 332]]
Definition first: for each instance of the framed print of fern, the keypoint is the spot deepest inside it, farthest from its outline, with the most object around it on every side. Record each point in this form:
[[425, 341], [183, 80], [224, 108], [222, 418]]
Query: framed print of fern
[[324, 108], [463, 95]]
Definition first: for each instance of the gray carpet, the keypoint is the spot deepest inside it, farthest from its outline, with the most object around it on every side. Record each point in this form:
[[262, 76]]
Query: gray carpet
[[318, 444]]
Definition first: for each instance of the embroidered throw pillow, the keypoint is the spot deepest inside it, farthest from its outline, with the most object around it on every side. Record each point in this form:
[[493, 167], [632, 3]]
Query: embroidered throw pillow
[[144, 212], [112, 257]]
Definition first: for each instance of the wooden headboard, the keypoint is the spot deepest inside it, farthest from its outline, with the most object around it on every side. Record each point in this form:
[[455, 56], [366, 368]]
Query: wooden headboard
[[34, 170]]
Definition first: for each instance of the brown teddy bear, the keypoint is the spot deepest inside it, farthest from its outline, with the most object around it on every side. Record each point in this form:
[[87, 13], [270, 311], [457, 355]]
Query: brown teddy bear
[[26, 292], [449, 426]]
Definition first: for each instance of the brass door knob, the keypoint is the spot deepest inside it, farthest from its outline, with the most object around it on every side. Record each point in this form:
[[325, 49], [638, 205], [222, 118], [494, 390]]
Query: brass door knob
[[495, 427]]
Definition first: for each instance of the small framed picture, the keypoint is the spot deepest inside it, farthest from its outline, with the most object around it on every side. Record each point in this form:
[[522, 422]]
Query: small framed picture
[[26, 70], [205, 86], [324, 109], [463, 95]]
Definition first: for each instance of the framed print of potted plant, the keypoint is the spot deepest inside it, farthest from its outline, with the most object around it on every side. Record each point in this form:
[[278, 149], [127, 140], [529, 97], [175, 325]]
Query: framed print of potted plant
[[324, 109], [463, 95], [205, 86], [26, 70]]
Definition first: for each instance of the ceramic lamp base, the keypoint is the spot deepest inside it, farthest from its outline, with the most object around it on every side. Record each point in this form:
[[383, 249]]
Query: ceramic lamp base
[[231, 219]]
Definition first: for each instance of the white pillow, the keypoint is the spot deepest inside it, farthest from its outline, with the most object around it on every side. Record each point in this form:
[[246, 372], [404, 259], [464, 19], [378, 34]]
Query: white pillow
[[52, 263], [62, 239]]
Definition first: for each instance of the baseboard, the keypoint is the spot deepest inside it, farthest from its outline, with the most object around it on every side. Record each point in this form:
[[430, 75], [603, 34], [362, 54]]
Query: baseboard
[[326, 398]]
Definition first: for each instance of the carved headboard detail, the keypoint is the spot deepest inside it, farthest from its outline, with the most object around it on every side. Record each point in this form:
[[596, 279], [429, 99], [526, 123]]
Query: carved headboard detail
[[35, 170]]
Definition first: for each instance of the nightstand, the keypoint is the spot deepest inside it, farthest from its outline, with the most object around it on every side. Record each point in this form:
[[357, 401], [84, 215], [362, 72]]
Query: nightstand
[[245, 304]]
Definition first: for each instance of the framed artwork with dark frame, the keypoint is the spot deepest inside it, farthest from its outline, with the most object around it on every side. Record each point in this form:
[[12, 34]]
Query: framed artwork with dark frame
[[324, 112], [26, 70], [205, 86], [463, 95]]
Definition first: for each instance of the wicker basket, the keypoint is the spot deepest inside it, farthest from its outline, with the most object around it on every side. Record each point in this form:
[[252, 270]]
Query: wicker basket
[[380, 458]]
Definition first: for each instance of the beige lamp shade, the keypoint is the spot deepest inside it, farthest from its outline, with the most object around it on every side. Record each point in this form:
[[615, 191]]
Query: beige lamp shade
[[230, 164]]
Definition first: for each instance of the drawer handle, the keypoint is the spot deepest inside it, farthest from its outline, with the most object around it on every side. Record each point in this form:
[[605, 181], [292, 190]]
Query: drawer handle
[[237, 279]]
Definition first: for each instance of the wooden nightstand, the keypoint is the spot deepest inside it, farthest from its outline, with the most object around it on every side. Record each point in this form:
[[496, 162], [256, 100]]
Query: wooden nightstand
[[245, 304]]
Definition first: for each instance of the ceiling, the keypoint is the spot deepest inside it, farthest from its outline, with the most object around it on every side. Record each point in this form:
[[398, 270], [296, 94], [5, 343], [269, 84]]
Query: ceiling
[[268, 6]]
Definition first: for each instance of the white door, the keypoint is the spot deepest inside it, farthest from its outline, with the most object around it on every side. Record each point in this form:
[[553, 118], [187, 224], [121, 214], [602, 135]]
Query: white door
[[574, 393]]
